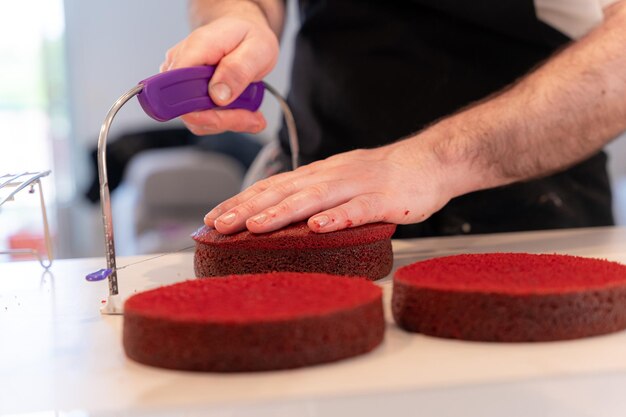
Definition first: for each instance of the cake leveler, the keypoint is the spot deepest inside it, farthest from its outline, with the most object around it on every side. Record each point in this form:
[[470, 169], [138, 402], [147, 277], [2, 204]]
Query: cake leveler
[[163, 97]]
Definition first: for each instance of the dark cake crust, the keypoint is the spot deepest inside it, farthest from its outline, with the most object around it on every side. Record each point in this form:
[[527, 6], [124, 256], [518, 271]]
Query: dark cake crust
[[254, 342], [373, 261], [363, 251], [252, 347], [559, 307], [509, 318]]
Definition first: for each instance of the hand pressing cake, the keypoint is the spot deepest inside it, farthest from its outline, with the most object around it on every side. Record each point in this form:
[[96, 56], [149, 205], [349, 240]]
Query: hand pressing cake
[[254, 322], [511, 297], [360, 251]]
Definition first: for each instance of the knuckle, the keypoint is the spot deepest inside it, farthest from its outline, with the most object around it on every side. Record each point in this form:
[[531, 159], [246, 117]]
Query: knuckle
[[319, 191], [267, 48], [239, 73], [169, 54], [257, 126], [285, 188], [262, 185], [282, 209], [194, 129], [217, 120], [248, 208], [242, 122], [368, 205], [190, 119], [210, 119], [308, 169], [198, 36]]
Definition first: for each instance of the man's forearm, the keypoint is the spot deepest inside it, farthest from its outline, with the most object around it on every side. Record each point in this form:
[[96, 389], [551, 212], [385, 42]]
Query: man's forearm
[[556, 116], [203, 11]]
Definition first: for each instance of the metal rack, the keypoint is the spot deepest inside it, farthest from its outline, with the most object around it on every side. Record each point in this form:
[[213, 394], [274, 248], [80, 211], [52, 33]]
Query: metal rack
[[30, 181]]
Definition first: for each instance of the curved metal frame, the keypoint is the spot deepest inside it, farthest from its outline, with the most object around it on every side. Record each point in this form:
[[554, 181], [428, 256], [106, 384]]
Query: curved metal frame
[[292, 132], [105, 198]]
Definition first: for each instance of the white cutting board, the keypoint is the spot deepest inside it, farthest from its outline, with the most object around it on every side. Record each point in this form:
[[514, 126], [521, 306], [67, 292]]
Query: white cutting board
[[58, 352]]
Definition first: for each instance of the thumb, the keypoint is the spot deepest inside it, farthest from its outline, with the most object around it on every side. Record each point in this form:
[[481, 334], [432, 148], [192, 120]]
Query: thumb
[[249, 62], [243, 54]]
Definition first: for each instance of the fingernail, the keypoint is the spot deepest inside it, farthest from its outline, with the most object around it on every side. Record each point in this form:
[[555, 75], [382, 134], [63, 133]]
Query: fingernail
[[169, 67], [259, 218], [221, 91], [227, 218], [321, 221]]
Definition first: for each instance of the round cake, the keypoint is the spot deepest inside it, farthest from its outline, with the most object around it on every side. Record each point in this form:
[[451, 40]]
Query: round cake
[[254, 322], [360, 251], [511, 297]]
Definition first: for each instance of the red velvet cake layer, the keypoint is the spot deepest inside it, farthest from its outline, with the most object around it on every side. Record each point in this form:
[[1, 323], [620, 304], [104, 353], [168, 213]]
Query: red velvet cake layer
[[253, 322], [360, 251], [511, 297], [297, 236]]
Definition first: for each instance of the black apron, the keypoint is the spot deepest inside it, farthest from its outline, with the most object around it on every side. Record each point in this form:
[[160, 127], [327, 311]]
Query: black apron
[[366, 73]]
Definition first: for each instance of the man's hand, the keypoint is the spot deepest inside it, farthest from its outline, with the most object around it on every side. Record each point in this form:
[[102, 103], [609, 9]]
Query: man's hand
[[556, 116], [237, 37], [345, 190]]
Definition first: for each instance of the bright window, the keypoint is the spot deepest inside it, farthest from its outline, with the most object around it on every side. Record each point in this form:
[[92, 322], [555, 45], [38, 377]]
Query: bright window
[[33, 127]]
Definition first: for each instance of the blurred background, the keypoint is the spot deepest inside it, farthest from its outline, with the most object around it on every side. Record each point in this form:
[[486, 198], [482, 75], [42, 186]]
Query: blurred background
[[62, 64]]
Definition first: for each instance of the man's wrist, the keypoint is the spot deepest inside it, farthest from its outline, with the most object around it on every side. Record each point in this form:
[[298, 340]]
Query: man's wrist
[[269, 12], [446, 148]]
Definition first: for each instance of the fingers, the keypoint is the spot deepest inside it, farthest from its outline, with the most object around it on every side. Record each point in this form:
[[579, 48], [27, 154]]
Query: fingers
[[247, 194], [330, 203], [362, 209], [298, 206], [216, 121], [259, 187], [347, 190], [242, 52], [249, 62], [281, 205], [289, 197], [205, 45], [232, 215]]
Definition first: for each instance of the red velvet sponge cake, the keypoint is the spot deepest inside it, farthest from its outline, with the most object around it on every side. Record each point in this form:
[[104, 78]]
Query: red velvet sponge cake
[[363, 251], [254, 322], [511, 297]]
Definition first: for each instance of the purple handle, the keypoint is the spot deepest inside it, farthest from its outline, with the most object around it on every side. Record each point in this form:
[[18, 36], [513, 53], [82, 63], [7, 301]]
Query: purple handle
[[173, 93]]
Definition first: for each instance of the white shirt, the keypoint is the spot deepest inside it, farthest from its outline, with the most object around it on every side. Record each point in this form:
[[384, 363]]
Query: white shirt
[[572, 17]]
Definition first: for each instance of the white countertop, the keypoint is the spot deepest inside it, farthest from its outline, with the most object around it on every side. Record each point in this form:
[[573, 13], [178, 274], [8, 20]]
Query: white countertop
[[60, 357]]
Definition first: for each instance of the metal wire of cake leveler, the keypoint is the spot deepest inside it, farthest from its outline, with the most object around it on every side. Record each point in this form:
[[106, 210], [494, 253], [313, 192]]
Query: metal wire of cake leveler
[[163, 97]]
